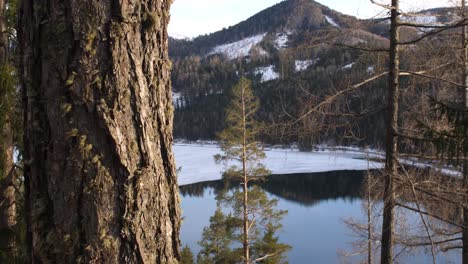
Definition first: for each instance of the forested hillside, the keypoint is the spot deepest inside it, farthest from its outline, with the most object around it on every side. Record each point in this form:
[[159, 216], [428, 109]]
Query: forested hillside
[[297, 53]]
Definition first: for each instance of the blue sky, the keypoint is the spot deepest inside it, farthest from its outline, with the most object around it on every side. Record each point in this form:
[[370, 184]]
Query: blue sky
[[191, 18]]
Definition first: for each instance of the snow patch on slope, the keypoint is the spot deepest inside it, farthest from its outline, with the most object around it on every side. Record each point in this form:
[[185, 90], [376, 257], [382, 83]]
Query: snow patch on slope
[[239, 48], [348, 66], [178, 36], [281, 40], [301, 65], [268, 73], [426, 19], [332, 22]]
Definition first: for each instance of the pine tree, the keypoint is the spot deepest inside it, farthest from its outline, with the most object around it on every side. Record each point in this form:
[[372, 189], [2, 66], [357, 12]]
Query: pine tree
[[238, 143], [225, 232], [244, 153], [186, 256], [238, 140], [217, 239], [270, 243], [99, 171]]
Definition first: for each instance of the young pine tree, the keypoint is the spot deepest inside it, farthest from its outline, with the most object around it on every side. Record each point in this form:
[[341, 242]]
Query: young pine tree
[[238, 142], [243, 152]]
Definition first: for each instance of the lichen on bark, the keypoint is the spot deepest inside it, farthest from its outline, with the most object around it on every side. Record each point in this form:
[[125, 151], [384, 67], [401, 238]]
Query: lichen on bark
[[99, 132]]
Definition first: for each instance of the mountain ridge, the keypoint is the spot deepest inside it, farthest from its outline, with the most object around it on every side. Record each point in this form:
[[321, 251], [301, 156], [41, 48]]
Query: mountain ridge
[[287, 15], [289, 51]]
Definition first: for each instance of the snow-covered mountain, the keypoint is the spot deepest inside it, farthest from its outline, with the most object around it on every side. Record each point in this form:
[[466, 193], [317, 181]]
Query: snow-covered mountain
[[286, 50]]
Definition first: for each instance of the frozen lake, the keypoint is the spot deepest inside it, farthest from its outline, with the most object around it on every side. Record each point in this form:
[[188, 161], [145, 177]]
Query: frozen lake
[[196, 162], [319, 190]]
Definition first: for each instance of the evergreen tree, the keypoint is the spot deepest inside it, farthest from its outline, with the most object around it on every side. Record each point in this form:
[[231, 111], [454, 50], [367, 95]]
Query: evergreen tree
[[186, 256], [270, 243], [238, 143], [222, 237], [250, 209], [217, 239]]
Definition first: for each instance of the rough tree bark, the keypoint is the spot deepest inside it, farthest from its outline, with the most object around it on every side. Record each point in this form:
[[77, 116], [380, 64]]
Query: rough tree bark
[[391, 156], [7, 190], [465, 142], [100, 178]]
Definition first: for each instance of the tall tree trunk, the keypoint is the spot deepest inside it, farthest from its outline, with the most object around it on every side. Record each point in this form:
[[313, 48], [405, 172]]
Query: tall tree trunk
[[246, 180], [3, 33], [99, 169], [465, 142], [7, 190], [369, 219], [391, 156]]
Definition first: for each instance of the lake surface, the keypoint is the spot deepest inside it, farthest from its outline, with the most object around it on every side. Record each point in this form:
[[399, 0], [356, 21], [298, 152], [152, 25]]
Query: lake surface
[[314, 227]]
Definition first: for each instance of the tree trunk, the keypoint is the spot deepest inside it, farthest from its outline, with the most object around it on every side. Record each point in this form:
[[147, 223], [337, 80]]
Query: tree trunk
[[246, 180], [465, 142], [100, 178], [391, 156], [3, 33], [7, 190], [369, 220]]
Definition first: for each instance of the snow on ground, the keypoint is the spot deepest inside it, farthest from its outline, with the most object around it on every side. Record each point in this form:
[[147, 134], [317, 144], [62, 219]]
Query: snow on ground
[[176, 96], [332, 22], [178, 36], [301, 65], [348, 66], [197, 164], [268, 73], [177, 99], [238, 49], [426, 19], [281, 40]]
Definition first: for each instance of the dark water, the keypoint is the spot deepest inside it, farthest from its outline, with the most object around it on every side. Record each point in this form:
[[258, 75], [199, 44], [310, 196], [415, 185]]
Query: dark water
[[317, 205]]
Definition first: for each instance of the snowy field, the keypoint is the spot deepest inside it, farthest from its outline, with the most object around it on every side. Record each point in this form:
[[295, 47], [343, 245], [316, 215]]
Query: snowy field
[[196, 162]]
